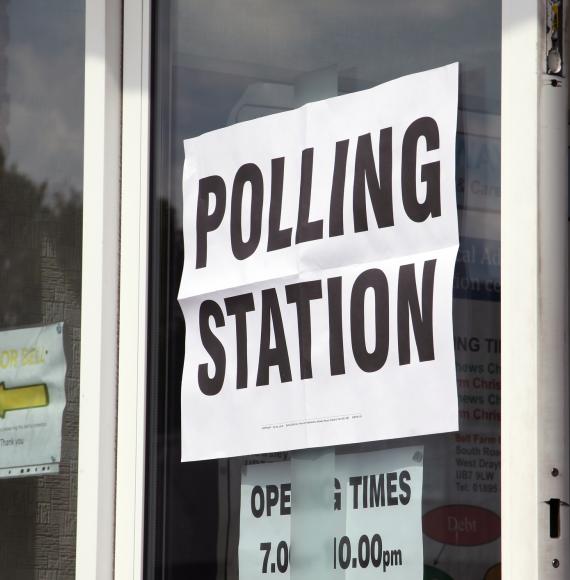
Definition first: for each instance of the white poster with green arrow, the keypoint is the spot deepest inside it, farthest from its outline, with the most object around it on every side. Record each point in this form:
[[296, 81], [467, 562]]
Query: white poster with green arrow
[[32, 400]]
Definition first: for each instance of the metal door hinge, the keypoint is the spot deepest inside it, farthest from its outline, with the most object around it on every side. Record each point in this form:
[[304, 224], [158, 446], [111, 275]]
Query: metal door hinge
[[554, 38]]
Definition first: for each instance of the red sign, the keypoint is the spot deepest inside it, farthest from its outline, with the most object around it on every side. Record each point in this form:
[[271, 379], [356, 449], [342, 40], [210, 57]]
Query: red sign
[[462, 525]]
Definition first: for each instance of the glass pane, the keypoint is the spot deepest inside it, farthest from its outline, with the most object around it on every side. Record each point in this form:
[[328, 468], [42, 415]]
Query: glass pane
[[221, 63], [41, 174]]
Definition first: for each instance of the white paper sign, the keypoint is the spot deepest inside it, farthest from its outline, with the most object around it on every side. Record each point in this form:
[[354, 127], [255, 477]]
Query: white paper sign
[[265, 521], [320, 246], [374, 500], [32, 400]]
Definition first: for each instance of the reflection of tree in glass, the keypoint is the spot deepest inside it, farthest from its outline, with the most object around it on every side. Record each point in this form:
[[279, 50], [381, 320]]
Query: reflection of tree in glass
[[40, 251], [40, 283]]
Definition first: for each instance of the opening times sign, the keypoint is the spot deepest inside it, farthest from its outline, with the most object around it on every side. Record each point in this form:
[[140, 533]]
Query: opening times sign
[[368, 525], [320, 247]]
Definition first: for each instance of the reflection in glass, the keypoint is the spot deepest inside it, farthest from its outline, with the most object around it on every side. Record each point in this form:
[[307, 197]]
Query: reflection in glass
[[41, 172], [220, 63]]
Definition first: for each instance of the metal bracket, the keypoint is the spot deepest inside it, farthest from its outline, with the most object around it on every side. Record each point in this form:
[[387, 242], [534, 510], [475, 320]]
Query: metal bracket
[[555, 504], [554, 38]]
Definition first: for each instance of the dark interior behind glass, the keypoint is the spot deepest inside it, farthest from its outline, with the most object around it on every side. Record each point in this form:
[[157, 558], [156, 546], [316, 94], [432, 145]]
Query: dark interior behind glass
[[222, 62]]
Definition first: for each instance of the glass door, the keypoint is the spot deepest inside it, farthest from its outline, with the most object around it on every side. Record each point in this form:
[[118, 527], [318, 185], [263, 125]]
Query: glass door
[[222, 63]]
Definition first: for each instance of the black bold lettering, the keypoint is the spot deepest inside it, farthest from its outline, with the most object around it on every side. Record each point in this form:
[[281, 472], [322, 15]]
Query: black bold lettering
[[377, 494], [277, 238], [239, 306], [376, 280], [285, 503], [337, 495], [248, 173], [379, 190], [306, 230], [336, 215], [424, 127], [336, 345], [257, 506], [392, 488], [405, 487], [422, 322], [272, 493], [206, 221], [301, 294], [271, 317], [355, 482], [211, 386]]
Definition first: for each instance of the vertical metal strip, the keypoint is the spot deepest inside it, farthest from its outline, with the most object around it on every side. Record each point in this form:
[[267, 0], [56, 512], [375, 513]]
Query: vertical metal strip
[[553, 408]]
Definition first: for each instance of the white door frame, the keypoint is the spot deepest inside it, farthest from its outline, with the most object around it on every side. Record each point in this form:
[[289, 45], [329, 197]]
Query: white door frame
[[134, 274], [100, 296], [534, 288], [534, 255]]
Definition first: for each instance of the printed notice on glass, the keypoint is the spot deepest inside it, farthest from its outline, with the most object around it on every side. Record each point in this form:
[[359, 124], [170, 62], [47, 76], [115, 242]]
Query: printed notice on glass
[[372, 525], [32, 400], [320, 247]]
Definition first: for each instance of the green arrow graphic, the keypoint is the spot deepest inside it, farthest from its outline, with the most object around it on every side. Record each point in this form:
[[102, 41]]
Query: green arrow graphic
[[26, 397]]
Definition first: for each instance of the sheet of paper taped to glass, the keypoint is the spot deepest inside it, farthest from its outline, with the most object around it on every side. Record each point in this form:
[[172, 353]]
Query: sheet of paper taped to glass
[[369, 523], [319, 253], [32, 400]]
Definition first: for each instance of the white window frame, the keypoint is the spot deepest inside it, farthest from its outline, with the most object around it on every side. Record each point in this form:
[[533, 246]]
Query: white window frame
[[134, 275], [534, 249], [534, 290], [99, 296]]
